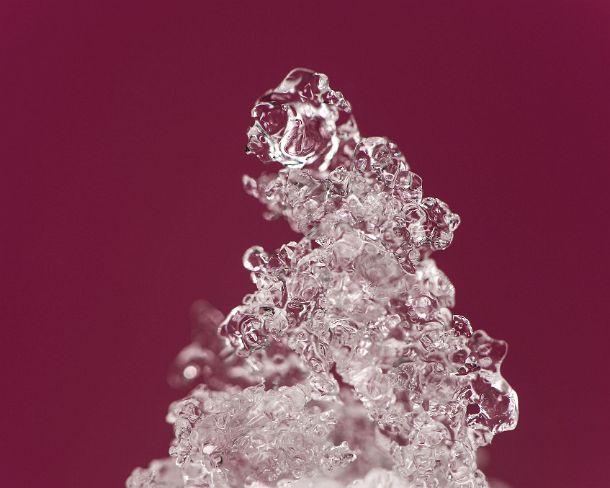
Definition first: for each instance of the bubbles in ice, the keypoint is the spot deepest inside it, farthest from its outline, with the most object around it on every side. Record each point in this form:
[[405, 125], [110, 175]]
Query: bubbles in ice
[[345, 367]]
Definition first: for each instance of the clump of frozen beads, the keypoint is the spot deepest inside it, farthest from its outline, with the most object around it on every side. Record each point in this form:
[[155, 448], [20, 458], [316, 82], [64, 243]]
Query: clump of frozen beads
[[346, 366]]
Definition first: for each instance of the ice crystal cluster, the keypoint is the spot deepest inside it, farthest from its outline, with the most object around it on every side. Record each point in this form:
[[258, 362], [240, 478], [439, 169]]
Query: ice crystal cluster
[[345, 367]]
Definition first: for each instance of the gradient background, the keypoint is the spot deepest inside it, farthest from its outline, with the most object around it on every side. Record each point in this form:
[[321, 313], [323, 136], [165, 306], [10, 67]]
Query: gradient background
[[123, 128]]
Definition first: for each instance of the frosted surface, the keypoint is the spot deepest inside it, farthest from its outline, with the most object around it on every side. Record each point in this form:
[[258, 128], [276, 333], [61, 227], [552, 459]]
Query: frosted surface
[[346, 366]]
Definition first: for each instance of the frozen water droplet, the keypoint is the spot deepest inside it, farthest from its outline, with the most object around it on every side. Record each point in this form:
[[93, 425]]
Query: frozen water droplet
[[192, 363], [254, 258], [296, 123]]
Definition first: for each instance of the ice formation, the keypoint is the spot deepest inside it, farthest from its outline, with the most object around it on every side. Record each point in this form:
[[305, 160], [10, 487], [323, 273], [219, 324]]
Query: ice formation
[[345, 367]]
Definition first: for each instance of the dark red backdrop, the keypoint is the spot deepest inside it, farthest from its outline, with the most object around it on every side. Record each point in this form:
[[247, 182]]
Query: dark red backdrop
[[122, 150]]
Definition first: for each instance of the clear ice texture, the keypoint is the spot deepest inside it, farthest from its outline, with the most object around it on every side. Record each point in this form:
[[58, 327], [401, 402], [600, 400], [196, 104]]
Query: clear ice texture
[[345, 367]]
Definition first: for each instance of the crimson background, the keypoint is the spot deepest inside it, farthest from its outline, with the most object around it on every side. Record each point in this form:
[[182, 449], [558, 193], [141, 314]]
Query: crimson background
[[122, 149]]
